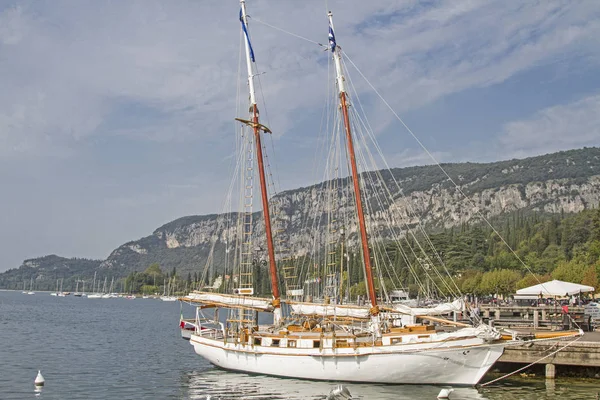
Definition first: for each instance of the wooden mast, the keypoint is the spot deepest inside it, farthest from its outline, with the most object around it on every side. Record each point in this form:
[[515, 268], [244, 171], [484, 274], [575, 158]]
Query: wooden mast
[[257, 127], [359, 205]]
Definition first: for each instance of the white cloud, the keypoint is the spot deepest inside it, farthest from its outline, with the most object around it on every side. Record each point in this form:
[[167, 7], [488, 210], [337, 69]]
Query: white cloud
[[69, 68], [560, 127]]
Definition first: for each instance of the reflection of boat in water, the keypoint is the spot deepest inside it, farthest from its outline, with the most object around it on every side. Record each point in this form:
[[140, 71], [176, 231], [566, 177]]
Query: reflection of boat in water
[[233, 385]]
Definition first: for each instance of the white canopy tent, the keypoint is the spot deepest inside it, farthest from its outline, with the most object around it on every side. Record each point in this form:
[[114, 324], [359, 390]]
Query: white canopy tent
[[554, 289]]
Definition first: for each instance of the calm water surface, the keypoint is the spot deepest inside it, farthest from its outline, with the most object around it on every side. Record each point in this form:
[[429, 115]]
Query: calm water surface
[[131, 349]]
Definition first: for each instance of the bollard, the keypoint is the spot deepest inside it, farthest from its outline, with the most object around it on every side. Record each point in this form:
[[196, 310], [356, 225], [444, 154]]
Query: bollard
[[550, 371]]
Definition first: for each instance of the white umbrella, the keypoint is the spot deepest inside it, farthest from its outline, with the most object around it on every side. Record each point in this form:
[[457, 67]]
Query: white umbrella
[[555, 288]]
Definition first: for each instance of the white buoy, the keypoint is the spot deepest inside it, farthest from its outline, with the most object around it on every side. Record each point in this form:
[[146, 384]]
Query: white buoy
[[445, 393], [39, 379]]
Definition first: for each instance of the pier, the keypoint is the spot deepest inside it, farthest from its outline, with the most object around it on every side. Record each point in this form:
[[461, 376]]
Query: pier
[[584, 353], [544, 317]]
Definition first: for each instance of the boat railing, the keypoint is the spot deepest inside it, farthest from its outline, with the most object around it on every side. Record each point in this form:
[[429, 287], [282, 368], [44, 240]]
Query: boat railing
[[210, 329]]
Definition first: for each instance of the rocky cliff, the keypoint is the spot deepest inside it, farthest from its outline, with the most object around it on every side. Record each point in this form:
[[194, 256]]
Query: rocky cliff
[[561, 182]]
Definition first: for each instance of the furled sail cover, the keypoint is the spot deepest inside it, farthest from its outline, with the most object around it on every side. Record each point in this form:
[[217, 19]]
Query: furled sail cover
[[224, 300], [444, 308], [482, 331], [329, 310]]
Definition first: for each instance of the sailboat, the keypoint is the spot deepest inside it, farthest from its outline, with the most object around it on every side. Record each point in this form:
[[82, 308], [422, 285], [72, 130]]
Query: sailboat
[[77, 292], [56, 292], [95, 291], [167, 296], [31, 287], [61, 293], [105, 292], [379, 342]]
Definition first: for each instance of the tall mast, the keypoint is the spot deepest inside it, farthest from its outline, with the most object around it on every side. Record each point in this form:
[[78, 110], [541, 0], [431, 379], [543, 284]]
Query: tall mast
[[359, 205], [257, 127]]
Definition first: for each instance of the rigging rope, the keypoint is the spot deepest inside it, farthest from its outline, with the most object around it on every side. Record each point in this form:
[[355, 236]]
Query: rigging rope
[[456, 186], [289, 33]]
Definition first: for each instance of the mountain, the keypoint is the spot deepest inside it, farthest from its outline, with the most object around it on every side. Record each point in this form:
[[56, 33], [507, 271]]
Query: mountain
[[563, 182], [46, 270]]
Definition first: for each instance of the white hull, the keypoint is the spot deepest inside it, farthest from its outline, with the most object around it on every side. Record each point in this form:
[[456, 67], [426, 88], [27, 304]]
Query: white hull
[[457, 362]]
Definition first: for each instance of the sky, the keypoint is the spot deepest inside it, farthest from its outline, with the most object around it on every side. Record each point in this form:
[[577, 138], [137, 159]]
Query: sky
[[117, 116]]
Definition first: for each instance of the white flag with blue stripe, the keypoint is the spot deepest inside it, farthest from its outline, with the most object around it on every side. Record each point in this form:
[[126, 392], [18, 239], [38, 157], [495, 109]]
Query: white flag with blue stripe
[[246, 34], [331, 38]]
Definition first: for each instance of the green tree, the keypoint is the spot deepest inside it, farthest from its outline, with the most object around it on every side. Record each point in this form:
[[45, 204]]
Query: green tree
[[569, 271], [590, 277], [500, 281]]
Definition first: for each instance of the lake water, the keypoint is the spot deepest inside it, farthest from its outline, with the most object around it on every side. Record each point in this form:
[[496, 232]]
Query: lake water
[[131, 349]]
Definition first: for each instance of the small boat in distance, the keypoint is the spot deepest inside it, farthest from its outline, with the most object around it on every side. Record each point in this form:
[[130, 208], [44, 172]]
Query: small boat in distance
[[31, 287], [96, 294], [77, 292], [167, 295], [56, 292], [61, 293]]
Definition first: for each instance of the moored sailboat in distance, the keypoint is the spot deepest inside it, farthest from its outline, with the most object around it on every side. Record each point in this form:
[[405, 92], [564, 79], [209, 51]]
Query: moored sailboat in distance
[[56, 292], [77, 292], [61, 293], [167, 291], [30, 287], [95, 291], [381, 341]]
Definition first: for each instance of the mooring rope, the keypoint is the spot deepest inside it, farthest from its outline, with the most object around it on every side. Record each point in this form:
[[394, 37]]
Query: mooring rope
[[529, 365]]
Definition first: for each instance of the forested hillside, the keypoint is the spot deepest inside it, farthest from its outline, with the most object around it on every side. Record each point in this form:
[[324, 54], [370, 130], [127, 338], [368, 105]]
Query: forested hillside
[[541, 205], [564, 247]]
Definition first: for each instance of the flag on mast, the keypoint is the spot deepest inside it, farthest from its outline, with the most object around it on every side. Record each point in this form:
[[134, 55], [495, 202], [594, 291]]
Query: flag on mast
[[246, 34], [331, 38]]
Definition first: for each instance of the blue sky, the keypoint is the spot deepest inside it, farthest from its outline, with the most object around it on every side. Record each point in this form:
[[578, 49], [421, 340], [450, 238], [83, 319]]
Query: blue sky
[[116, 117]]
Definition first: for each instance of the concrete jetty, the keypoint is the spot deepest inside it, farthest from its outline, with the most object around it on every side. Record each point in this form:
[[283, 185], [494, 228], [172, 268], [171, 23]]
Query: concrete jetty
[[584, 353]]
